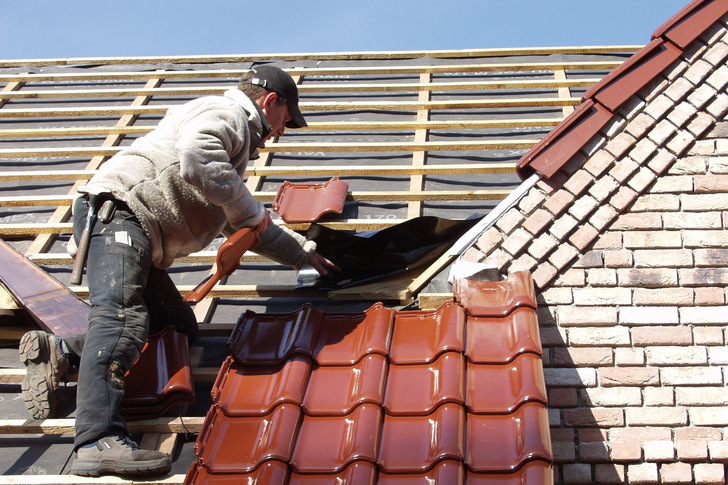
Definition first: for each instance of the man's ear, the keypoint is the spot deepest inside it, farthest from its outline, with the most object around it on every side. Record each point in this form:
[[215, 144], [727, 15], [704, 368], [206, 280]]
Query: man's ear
[[267, 100]]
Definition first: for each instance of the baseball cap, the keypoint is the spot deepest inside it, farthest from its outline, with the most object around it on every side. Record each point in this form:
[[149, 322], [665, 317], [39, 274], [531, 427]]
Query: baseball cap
[[280, 82]]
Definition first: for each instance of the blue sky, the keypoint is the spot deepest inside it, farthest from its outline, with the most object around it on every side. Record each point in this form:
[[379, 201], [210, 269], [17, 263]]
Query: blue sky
[[107, 28]]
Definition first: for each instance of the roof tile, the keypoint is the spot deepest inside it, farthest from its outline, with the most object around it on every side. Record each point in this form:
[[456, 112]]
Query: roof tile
[[298, 202], [383, 396]]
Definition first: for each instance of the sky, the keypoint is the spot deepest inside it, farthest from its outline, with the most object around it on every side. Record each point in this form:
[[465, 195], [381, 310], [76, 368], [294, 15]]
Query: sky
[[49, 29]]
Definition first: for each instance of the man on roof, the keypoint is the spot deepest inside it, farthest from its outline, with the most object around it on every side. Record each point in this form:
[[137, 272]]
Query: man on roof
[[171, 193]]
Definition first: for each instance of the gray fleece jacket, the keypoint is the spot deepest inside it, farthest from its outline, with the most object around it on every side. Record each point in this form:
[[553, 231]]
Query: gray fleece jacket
[[184, 180]]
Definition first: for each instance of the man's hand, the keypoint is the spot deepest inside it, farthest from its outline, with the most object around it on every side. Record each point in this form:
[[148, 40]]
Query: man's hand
[[321, 264]]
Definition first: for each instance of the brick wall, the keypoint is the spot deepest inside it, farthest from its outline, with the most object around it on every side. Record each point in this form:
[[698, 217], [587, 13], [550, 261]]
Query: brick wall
[[628, 247]]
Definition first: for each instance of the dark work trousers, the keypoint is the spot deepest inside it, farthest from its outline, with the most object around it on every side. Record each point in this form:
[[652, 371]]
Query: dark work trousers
[[129, 300]]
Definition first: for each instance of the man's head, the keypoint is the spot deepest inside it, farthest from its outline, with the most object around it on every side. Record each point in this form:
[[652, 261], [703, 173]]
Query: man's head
[[266, 79]]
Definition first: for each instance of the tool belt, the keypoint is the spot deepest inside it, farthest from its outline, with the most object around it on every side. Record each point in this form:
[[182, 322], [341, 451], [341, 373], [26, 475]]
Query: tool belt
[[107, 207]]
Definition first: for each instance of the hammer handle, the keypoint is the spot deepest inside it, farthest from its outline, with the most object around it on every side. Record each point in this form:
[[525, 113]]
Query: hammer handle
[[77, 272]]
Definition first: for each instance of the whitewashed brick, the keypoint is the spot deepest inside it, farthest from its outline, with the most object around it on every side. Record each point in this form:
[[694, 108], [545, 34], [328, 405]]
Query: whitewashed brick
[[612, 396], [666, 258], [658, 450], [657, 416], [586, 316], [701, 396], [691, 376], [649, 315], [658, 396], [602, 296], [709, 416], [714, 315], [669, 356], [599, 336]]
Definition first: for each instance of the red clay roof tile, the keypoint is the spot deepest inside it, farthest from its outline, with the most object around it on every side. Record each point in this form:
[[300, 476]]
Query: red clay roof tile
[[383, 396], [298, 202]]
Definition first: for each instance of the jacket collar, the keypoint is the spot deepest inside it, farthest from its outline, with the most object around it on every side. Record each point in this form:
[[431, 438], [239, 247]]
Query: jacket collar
[[259, 126]]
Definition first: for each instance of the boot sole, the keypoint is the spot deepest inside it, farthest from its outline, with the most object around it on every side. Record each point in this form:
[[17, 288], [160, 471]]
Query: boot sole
[[95, 468], [39, 387]]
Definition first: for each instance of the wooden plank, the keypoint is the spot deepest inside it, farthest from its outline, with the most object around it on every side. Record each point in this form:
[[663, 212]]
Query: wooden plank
[[235, 74], [308, 88], [313, 126], [314, 170], [67, 426], [305, 107], [414, 207], [415, 195], [61, 152], [362, 55], [177, 479]]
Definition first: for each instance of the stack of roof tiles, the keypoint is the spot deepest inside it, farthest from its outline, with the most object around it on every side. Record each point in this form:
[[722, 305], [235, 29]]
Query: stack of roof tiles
[[383, 396]]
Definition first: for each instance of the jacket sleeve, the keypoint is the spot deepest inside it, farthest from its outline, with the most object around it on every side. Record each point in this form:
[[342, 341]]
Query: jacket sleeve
[[285, 246], [208, 142]]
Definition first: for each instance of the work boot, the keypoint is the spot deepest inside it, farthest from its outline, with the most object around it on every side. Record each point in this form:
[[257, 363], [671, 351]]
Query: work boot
[[46, 366], [121, 456]]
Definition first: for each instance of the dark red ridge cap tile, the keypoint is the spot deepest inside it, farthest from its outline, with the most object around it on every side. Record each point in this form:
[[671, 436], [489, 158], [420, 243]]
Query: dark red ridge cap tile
[[299, 202], [517, 442], [496, 298], [564, 141], [690, 22], [601, 101], [517, 382]]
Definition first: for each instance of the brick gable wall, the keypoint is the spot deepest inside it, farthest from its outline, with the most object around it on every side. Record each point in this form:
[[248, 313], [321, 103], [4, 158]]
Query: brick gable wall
[[628, 247]]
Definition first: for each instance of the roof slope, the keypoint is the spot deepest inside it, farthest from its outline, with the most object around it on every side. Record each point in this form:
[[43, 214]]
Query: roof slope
[[602, 101]]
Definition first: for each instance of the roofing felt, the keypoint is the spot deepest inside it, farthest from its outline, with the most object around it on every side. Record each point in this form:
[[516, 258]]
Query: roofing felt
[[383, 395], [602, 100]]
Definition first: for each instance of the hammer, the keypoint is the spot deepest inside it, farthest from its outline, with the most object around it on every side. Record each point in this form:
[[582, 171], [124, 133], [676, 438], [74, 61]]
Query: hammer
[[94, 196]]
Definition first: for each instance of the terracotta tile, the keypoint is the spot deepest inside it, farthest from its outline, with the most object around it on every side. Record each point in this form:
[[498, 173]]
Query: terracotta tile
[[417, 389], [268, 473], [161, 378], [240, 444], [411, 444], [269, 339], [337, 390], [499, 340], [496, 298], [537, 471], [503, 442], [328, 444], [298, 202], [252, 391], [519, 381], [690, 22], [347, 337], [449, 472], [421, 336], [358, 473], [631, 76]]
